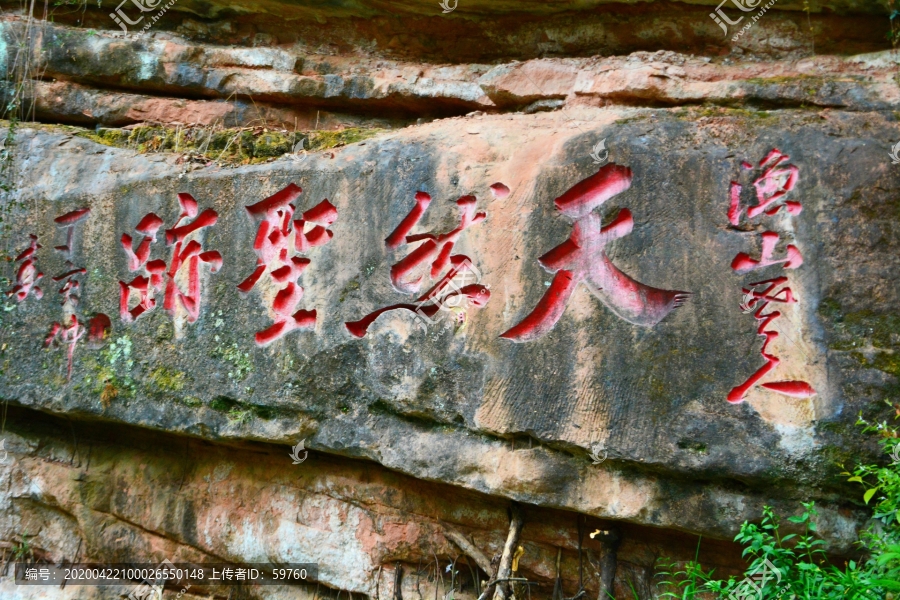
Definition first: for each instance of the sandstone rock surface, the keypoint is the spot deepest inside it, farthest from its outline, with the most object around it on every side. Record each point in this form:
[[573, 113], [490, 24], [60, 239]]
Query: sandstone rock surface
[[607, 236]]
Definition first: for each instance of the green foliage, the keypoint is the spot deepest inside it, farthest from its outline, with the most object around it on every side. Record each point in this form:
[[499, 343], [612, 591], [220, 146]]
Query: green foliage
[[21, 550], [684, 582], [798, 565], [795, 566], [882, 484]]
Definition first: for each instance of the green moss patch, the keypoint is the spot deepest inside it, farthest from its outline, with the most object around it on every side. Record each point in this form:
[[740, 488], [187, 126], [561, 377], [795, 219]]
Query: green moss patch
[[241, 365], [244, 145], [854, 332], [167, 380], [239, 411], [711, 110]]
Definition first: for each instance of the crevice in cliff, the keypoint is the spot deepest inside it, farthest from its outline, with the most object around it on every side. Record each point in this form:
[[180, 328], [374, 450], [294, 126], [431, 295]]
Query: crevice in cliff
[[162, 536], [491, 31], [110, 79]]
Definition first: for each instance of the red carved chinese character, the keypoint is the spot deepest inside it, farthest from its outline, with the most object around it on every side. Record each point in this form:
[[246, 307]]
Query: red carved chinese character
[[774, 183], [157, 274], [742, 263], [27, 276], [274, 251], [67, 335], [72, 285], [771, 188], [582, 258], [70, 330], [435, 250], [760, 299]]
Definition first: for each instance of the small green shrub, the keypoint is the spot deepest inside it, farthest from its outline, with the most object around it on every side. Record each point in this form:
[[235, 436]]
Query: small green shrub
[[795, 566]]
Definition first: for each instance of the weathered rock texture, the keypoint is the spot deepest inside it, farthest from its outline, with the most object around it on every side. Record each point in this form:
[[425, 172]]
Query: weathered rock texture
[[141, 493], [114, 80], [169, 438]]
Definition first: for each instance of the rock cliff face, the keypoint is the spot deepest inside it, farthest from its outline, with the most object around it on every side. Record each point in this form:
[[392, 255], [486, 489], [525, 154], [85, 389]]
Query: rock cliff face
[[586, 263]]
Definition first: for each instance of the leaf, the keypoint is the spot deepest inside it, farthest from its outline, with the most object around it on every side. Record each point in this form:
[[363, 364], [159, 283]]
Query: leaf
[[859, 479], [869, 493], [887, 584]]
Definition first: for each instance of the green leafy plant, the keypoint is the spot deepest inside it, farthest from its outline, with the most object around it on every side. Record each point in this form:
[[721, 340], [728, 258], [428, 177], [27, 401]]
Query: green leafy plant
[[795, 565], [684, 581], [22, 549], [798, 564], [882, 483]]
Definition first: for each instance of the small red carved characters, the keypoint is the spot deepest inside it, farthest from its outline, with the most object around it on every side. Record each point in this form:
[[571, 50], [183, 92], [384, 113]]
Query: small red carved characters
[[742, 263], [771, 186], [776, 180], [435, 254], [27, 275], [70, 329], [274, 251], [760, 300], [66, 335], [582, 258], [72, 286], [157, 275]]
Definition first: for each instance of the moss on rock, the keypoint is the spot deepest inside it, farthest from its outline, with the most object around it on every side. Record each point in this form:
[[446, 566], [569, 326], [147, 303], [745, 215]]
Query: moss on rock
[[167, 380], [860, 332], [231, 146]]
